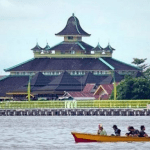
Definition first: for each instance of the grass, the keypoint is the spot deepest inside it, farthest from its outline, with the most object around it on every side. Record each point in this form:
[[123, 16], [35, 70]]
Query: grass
[[73, 104]]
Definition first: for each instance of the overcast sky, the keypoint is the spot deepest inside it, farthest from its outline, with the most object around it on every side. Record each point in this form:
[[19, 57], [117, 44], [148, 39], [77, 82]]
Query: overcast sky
[[123, 23]]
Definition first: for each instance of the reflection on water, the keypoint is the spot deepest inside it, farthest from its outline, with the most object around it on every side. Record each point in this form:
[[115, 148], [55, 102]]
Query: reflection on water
[[53, 133]]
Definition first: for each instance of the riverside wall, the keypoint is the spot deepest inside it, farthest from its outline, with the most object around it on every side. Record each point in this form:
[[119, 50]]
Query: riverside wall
[[75, 112]]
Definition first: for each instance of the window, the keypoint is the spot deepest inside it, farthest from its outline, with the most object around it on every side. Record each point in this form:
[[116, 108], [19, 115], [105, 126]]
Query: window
[[70, 37], [95, 72], [92, 52], [53, 52], [103, 72], [103, 53], [72, 52], [83, 72], [42, 52]]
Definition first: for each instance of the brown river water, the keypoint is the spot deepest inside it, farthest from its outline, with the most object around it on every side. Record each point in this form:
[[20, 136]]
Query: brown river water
[[54, 132]]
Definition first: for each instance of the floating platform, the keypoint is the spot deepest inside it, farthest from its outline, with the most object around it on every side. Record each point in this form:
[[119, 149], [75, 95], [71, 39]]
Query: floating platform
[[74, 112]]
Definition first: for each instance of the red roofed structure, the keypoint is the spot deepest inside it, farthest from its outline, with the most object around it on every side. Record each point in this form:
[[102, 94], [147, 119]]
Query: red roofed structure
[[104, 91], [86, 94]]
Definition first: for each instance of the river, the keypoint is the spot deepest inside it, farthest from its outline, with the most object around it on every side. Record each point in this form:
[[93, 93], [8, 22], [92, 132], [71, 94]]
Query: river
[[54, 132]]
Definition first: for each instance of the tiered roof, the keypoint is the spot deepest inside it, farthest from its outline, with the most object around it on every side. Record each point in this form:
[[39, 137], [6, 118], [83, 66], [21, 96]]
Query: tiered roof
[[109, 48], [10, 83], [37, 81], [73, 28], [68, 46], [89, 78], [47, 47], [98, 48], [47, 64], [37, 47], [63, 82]]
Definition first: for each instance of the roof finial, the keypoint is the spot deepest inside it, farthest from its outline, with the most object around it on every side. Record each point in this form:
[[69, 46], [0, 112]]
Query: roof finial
[[46, 42], [108, 41], [98, 41], [36, 41], [72, 14]]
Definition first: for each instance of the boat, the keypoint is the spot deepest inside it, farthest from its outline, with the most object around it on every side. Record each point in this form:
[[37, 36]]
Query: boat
[[84, 137]]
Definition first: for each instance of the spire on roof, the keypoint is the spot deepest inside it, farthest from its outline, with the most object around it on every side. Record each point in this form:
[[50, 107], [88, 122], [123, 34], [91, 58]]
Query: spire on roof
[[73, 28], [98, 48], [37, 47], [47, 47], [109, 47]]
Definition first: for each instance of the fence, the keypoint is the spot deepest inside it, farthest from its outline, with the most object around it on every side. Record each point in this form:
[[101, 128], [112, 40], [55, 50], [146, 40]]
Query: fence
[[74, 104]]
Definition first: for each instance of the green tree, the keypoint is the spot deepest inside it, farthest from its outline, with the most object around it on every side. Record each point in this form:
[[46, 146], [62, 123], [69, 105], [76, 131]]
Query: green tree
[[140, 63], [147, 73], [133, 88]]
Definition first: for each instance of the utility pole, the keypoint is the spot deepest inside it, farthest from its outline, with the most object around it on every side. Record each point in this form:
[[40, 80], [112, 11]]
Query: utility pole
[[115, 89], [29, 89]]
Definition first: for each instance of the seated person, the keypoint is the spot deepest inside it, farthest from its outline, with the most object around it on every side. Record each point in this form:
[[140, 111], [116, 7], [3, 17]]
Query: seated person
[[142, 133], [116, 130], [101, 131], [127, 134], [134, 132]]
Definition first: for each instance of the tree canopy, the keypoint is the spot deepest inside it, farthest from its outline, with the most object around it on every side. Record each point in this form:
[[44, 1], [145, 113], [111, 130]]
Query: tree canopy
[[140, 63], [133, 88]]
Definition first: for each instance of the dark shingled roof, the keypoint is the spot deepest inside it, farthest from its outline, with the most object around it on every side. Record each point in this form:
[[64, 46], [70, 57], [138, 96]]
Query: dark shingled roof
[[98, 48], [109, 48], [90, 78], [63, 82], [64, 79], [47, 47], [68, 46], [118, 65], [73, 28], [11, 83], [37, 47], [39, 80], [110, 79], [47, 64]]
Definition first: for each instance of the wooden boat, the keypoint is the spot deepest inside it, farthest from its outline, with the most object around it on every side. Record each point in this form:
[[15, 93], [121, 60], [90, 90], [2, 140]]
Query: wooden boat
[[84, 137]]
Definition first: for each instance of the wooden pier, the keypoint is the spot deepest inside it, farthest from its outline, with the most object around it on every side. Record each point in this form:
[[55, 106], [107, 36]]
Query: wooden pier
[[74, 112]]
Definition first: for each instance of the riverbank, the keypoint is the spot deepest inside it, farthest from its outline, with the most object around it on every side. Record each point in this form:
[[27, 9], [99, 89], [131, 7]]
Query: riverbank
[[74, 112]]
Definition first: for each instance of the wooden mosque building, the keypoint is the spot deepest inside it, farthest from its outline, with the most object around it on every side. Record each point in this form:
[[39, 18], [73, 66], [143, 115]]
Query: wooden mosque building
[[67, 66]]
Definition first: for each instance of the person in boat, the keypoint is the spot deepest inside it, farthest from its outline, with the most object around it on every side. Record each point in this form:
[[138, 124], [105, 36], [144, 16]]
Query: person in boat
[[116, 130], [134, 132], [101, 130], [130, 132], [142, 133]]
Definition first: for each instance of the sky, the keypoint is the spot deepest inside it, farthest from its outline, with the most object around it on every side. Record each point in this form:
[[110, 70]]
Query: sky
[[125, 24]]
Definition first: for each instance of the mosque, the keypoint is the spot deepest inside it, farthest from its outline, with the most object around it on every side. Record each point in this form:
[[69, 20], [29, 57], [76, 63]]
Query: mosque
[[68, 66]]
